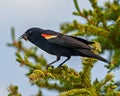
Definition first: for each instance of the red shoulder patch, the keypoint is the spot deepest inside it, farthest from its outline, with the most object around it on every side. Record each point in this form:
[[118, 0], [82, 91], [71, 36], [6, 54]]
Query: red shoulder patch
[[48, 36]]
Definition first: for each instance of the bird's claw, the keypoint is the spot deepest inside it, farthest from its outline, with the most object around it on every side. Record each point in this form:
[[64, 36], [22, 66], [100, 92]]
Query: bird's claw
[[61, 67], [49, 66]]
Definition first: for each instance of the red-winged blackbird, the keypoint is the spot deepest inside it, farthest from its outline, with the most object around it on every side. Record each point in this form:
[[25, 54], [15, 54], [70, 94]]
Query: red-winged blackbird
[[60, 45]]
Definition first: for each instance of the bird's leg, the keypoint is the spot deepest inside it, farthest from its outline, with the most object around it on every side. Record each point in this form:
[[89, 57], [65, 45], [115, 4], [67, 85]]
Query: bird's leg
[[57, 59], [64, 61]]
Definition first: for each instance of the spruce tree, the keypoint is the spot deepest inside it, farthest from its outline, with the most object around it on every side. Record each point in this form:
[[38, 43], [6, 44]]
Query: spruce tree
[[102, 25]]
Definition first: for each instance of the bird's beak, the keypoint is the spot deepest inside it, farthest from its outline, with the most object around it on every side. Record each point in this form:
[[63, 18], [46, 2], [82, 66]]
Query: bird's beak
[[24, 36]]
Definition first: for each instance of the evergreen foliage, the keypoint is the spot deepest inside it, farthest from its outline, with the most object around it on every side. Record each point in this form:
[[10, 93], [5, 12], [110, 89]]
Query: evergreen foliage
[[102, 24]]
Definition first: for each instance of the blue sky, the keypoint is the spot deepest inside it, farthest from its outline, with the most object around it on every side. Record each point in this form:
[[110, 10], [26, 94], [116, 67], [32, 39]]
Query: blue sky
[[46, 14]]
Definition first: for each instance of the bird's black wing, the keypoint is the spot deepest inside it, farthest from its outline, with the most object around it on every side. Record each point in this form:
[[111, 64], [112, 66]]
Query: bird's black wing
[[64, 40], [82, 40]]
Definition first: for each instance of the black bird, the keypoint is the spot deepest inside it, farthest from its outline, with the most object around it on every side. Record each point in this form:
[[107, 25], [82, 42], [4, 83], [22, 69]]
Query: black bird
[[60, 45]]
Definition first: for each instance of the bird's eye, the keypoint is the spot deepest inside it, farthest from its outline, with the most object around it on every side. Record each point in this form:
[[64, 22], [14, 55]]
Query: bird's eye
[[30, 32]]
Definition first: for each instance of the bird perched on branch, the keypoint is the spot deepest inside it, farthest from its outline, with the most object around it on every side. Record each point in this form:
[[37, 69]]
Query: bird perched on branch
[[60, 45]]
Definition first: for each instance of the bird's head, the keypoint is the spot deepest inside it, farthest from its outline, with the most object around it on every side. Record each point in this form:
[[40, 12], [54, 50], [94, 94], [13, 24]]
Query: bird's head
[[31, 33]]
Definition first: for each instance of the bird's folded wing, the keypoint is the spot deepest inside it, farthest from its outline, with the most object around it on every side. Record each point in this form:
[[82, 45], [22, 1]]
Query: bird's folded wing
[[66, 41], [82, 40]]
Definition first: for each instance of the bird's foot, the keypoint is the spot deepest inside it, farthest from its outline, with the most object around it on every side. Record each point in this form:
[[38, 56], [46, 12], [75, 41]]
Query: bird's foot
[[48, 66], [62, 67]]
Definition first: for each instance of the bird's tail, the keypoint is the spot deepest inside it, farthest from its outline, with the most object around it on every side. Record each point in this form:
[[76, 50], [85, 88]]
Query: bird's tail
[[88, 53]]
